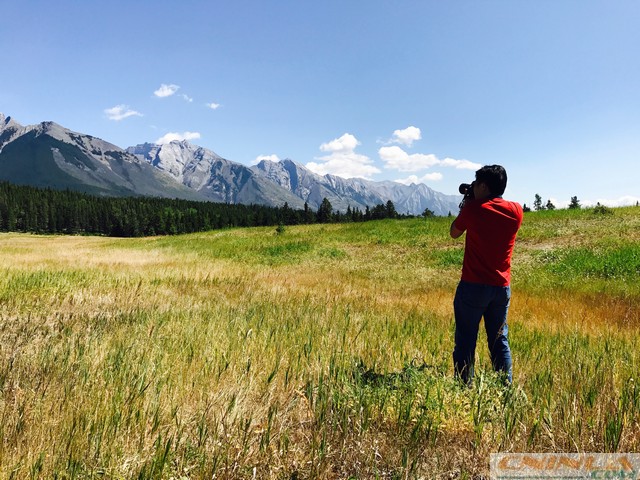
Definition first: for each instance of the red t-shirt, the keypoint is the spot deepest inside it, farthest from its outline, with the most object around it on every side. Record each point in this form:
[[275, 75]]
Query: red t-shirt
[[491, 225]]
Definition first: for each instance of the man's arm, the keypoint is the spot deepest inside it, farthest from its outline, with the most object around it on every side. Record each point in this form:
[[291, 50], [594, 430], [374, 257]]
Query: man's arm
[[454, 231]]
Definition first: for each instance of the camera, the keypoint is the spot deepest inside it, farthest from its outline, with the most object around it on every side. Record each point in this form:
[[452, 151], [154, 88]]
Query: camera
[[466, 189]]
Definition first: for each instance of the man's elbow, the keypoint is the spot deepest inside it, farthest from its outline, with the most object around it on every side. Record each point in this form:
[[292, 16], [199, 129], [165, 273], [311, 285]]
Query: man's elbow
[[454, 232]]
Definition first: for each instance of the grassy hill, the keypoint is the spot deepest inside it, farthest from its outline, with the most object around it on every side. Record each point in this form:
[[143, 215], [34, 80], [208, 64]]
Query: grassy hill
[[322, 351]]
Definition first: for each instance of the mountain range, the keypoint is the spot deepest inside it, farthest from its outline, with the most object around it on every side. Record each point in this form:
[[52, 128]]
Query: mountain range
[[49, 155]]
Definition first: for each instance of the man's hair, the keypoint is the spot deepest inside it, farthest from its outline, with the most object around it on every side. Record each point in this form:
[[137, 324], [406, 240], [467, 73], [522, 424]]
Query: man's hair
[[494, 177]]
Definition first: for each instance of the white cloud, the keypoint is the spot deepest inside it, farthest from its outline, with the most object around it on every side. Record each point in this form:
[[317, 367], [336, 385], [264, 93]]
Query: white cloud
[[166, 90], [346, 143], [460, 164], [429, 177], [175, 136], [187, 98], [624, 201], [213, 105], [120, 112], [395, 158], [342, 160], [271, 158], [407, 136]]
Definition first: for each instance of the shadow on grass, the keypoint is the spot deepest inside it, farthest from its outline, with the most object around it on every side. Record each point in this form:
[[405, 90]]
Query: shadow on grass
[[409, 373]]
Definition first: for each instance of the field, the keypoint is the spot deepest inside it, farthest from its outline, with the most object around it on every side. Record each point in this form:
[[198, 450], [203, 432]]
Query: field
[[323, 351]]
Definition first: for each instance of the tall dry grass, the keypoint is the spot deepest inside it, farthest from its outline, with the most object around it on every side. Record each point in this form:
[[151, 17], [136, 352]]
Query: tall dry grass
[[320, 352]]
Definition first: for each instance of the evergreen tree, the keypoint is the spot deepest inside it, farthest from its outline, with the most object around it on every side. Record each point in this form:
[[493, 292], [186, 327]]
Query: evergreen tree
[[349, 214], [428, 213], [308, 215], [379, 212], [390, 210], [550, 206], [325, 211], [574, 204], [537, 203], [29, 209]]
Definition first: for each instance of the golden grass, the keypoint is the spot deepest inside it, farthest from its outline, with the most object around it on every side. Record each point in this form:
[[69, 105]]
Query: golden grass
[[323, 352]]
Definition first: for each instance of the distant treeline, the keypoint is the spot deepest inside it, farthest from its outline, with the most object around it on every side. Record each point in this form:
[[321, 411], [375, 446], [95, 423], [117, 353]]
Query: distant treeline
[[35, 210]]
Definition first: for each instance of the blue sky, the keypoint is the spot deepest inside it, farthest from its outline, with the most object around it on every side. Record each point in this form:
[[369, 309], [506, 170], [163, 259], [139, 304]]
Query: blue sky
[[389, 90]]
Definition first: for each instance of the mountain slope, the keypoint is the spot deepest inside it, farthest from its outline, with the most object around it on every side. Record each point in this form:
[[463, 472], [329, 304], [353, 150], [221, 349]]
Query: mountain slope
[[355, 192], [212, 176], [48, 155]]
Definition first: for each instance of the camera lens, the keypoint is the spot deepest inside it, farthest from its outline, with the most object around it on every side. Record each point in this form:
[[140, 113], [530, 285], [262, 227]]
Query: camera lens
[[464, 188]]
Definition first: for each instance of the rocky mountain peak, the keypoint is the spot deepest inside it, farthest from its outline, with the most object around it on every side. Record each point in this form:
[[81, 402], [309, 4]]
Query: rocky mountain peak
[[7, 122], [9, 129], [187, 163]]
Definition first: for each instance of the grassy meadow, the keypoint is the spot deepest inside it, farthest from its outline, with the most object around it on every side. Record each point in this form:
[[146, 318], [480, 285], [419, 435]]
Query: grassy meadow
[[320, 352]]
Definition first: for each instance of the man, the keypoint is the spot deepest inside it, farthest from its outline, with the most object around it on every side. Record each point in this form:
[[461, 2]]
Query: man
[[484, 290]]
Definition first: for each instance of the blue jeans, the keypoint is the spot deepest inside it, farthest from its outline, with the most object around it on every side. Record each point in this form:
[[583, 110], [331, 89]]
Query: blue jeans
[[472, 302]]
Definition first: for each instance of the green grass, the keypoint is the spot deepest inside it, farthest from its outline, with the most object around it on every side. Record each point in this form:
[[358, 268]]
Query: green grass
[[323, 351], [608, 262]]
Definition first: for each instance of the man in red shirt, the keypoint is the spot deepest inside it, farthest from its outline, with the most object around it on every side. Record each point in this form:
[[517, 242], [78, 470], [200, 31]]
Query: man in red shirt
[[484, 290]]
